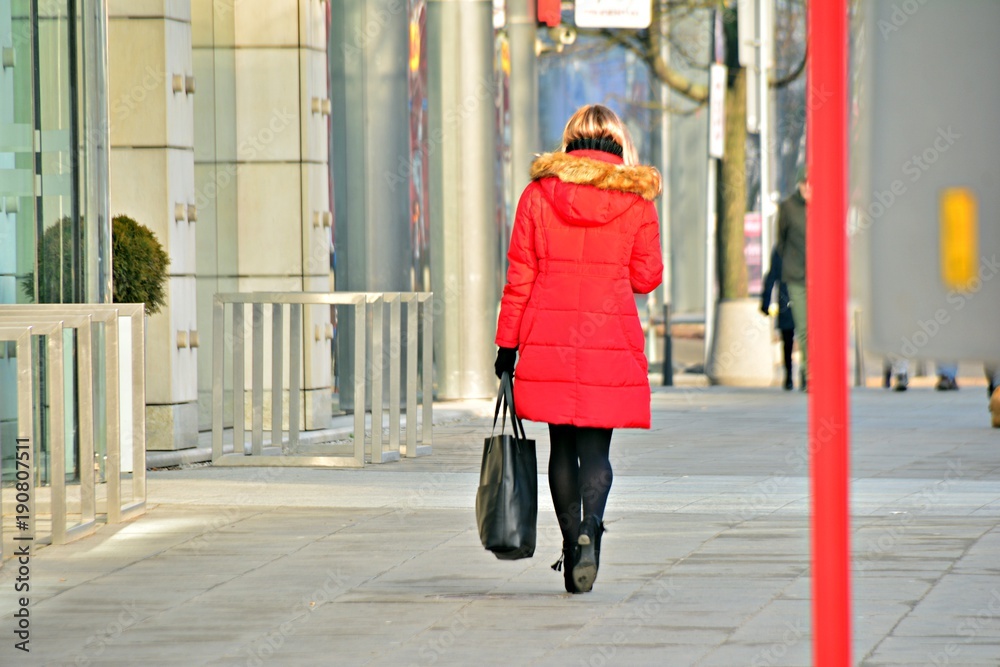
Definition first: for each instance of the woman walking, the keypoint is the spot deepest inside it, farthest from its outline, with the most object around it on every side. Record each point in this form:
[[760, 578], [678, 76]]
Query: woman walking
[[585, 239]]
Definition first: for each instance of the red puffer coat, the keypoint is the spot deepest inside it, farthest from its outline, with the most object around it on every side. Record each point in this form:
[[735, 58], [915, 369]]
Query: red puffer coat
[[586, 238]]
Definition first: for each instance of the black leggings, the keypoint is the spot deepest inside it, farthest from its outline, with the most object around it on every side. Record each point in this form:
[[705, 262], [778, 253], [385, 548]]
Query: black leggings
[[579, 475]]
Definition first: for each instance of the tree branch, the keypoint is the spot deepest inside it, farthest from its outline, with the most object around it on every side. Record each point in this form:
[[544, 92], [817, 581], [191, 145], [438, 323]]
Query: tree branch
[[793, 75]]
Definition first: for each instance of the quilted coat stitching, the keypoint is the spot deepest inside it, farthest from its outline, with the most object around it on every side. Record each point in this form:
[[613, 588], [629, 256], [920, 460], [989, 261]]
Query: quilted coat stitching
[[573, 367]]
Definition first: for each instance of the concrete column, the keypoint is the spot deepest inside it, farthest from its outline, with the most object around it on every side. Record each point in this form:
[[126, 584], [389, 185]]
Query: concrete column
[[261, 168], [370, 149], [151, 91], [525, 138], [462, 208]]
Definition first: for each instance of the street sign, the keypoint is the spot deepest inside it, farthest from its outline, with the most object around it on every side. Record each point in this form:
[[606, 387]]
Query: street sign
[[633, 14], [717, 111]]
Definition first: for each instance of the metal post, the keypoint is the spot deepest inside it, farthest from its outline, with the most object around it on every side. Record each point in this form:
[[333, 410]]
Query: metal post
[[378, 330], [860, 376], [294, 371], [710, 234], [277, 356], [57, 435], [239, 381], [666, 289], [411, 377], [257, 382], [112, 466], [359, 380], [218, 375], [395, 361], [464, 239], [85, 352], [829, 418], [427, 373], [138, 410], [765, 61], [668, 351]]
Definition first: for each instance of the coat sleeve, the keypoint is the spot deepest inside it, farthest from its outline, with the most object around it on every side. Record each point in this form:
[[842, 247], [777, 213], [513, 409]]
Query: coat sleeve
[[773, 273], [521, 271], [645, 267], [782, 228]]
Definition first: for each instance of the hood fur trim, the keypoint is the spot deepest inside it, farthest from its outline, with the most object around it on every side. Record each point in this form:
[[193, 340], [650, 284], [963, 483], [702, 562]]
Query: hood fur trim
[[636, 179]]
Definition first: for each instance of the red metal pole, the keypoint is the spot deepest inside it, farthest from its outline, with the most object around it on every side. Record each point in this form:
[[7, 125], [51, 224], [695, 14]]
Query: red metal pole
[[826, 301]]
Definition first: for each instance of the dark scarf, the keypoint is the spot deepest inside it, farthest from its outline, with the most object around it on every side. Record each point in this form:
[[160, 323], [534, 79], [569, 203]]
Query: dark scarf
[[605, 144]]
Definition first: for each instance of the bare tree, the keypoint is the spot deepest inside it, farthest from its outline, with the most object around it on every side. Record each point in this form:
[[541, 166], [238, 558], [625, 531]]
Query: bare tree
[[732, 191]]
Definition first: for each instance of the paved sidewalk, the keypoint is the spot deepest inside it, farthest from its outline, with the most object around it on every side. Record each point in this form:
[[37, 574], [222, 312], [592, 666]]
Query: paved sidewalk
[[706, 562]]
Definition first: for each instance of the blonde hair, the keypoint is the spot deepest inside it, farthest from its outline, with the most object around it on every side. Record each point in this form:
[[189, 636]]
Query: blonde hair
[[596, 121]]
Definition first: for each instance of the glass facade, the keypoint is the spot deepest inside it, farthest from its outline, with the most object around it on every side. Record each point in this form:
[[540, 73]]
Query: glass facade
[[55, 244]]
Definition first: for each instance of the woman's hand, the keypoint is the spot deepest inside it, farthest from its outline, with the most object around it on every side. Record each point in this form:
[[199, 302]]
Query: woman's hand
[[506, 357]]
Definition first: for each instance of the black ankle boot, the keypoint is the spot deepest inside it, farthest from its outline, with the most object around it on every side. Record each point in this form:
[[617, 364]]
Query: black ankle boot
[[588, 555], [565, 563]]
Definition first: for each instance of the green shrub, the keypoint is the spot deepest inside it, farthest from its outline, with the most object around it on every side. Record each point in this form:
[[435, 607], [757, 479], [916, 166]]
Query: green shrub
[[139, 264], [55, 256]]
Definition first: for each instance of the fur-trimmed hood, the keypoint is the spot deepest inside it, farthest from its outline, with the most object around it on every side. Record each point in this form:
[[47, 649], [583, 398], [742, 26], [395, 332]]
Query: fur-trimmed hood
[[614, 187], [570, 168]]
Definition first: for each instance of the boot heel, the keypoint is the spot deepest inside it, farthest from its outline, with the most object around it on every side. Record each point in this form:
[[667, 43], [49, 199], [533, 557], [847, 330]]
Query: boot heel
[[585, 567]]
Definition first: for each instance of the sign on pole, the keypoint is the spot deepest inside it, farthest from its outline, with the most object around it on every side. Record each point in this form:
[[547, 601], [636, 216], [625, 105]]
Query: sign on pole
[[633, 14], [717, 111]]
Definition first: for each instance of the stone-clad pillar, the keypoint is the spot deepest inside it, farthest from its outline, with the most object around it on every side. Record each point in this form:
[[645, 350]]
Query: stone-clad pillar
[[261, 171], [151, 116]]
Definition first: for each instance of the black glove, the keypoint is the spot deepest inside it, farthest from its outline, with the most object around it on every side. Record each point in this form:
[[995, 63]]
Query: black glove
[[506, 356]]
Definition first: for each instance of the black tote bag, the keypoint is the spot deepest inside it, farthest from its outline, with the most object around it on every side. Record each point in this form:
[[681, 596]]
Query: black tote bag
[[507, 499]]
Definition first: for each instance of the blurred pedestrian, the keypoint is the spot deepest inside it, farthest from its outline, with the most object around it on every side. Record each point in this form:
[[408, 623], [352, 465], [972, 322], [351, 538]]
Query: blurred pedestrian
[[785, 321], [993, 378], [898, 367], [585, 238], [947, 372], [792, 248]]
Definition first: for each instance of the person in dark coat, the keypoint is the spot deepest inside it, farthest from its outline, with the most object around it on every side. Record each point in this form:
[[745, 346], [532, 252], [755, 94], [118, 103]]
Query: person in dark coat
[[792, 248], [586, 238], [786, 322]]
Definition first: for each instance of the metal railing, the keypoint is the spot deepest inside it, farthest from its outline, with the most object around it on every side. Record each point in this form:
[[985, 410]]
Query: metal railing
[[19, 324], [360, 302]]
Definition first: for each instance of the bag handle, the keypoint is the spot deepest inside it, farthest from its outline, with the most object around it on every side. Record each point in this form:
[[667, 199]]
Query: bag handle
[[514, 419], [505, 398]]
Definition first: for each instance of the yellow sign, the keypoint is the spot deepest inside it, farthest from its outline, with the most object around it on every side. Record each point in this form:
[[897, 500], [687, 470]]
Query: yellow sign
[[959, 238]]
